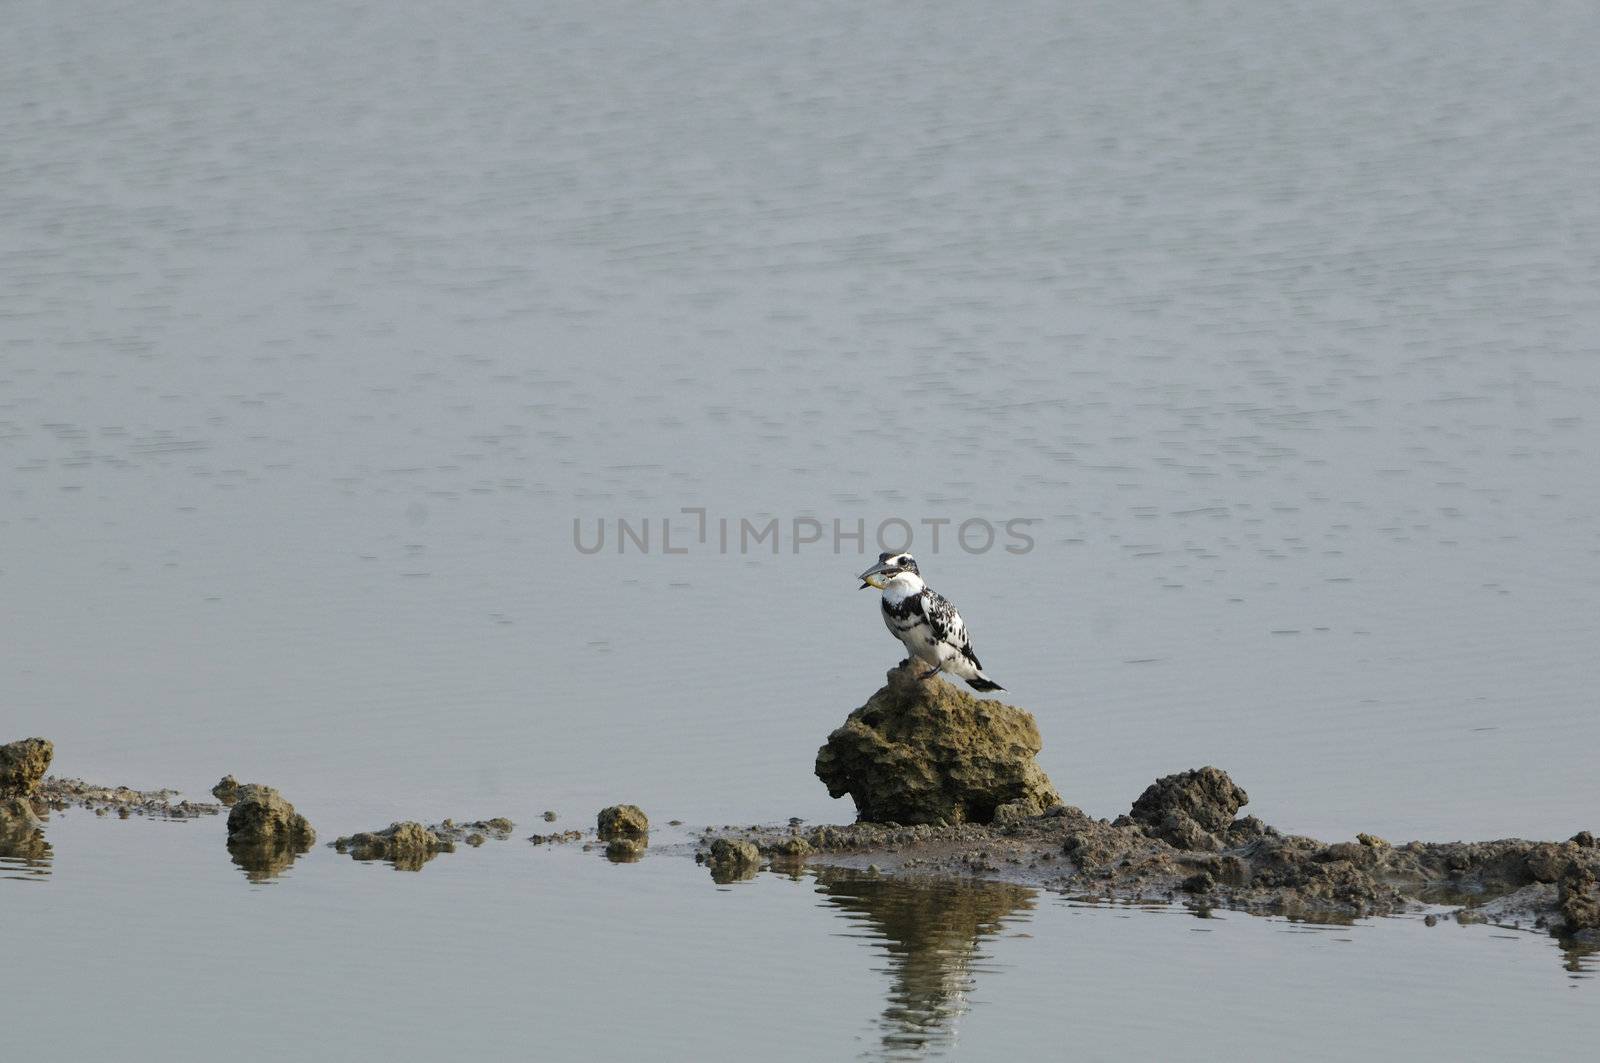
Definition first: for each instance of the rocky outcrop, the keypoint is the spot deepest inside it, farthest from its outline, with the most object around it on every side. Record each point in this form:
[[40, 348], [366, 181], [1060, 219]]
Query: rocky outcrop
[[262, 816], [622, 821], [22, 765], [265, 833], [1190, 810], [407, 845], [226, 790], [925, 752]]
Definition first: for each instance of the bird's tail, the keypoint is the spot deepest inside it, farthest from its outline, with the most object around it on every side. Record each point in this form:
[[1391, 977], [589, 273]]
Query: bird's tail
[[983, 682]]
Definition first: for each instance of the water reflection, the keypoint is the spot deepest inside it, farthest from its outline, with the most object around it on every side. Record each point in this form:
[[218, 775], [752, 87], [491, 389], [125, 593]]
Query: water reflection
[[24, 854], [932, 933], [265, 862]]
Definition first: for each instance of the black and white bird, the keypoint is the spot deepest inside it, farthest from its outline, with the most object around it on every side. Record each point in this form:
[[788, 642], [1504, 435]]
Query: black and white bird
[[925, 621]]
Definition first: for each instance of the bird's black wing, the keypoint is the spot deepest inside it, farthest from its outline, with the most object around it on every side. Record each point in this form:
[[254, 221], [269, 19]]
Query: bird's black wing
[[948, 627]]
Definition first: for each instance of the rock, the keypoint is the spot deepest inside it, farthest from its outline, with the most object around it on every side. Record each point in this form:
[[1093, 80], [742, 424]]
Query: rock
[[556, 839], [1546, 861], [1583, 839], [623, 821], [925, 752], [791, 848], [1014, 812], [407, 845], [1353, 852], [265, 833], [226, 790], [23, 764], [1580, 899], [732, 860], [261, 816], [1186, 810], [1201, 882], [549, 816]]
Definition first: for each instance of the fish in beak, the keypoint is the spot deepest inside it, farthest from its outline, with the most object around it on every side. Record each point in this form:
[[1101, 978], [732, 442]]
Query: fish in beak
[[871, 577]]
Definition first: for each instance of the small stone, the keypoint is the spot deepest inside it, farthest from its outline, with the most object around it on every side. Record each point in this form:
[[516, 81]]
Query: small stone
[[1201, 882], [261, 815], [226, 790], [622, 821], [549, 816], [1430, 920]]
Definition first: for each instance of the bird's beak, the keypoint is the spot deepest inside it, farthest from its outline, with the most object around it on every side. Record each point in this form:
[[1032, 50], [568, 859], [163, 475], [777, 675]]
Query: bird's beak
[[869, 578]]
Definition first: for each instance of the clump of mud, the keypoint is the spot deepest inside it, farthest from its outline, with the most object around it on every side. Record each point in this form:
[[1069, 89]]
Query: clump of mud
[[409, 845], [732, 860], [1183, 840], [925, 752], [622, 821]]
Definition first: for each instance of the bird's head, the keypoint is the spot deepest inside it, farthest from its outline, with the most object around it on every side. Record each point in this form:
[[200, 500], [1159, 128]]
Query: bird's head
[[888, 567]]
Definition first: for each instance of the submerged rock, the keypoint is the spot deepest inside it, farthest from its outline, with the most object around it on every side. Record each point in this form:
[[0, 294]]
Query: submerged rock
[[622, 821], [23, 764], [925, 752]]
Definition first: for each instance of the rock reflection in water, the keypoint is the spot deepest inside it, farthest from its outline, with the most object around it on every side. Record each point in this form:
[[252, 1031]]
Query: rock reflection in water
[[932, 932], [24, 854], [266, 861]]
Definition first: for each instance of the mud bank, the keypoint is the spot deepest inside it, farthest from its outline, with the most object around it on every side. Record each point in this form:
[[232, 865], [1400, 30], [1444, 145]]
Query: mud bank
[[1177, 845], [408, 845]]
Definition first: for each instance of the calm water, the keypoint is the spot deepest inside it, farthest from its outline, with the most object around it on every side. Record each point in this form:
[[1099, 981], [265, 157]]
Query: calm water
[[320, 324]]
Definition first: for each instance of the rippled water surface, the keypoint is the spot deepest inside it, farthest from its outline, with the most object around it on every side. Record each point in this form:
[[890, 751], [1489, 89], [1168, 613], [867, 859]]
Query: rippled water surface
[[321, 325]]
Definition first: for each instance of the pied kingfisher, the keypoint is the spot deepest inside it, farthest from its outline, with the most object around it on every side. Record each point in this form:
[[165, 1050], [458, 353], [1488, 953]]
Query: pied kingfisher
[[925, 621]]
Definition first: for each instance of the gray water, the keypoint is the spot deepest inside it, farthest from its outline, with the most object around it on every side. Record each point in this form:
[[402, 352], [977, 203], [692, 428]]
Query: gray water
[[321, 324]]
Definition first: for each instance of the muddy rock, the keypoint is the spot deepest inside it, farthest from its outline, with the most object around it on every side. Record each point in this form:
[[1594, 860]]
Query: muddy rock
[[23, 764], [1191, 809], [1547, 861], [794, 848], [57, 794], [556, 839], [622, 821], [498, 829], [261, 816], [407, 845], [1579, 898], [226, 790], [925, 752], [732, 860]]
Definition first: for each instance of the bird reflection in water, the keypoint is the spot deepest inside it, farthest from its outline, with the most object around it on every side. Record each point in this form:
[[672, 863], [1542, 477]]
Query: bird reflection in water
[[932, 932]]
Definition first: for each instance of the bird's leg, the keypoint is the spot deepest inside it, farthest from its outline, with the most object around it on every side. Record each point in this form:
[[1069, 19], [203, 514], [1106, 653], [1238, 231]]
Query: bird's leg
[[930, 673]]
